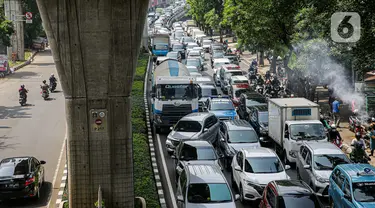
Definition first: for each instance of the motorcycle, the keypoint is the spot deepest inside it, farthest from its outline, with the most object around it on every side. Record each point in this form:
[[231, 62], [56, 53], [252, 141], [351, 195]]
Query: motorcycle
[[53, 86], [22, 100], [259, 89]]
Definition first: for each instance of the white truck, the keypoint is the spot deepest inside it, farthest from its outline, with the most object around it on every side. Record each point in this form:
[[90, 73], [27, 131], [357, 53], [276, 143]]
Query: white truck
[[292, 121], [175, 94]]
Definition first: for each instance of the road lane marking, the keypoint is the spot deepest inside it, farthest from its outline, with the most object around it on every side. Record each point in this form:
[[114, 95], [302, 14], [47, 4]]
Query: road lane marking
[[58, 165], [170, 188]]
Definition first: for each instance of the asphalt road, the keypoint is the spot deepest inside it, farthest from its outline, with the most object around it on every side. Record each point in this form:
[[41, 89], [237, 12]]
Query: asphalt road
[[37, 129], [167, 164]]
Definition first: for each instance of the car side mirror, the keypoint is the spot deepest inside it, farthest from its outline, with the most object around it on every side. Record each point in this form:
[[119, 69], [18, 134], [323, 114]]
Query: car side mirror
[[307, 166], [221, 156], [237, 168], [348, 197], [180, 198], [287, 167], [171, 128], [205, 129], [286, 135], [42, 162], [261, 139], [222, 139], [236, 197]]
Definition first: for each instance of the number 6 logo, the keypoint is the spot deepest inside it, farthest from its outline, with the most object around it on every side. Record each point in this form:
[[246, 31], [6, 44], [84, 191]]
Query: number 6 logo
[[345, 27]]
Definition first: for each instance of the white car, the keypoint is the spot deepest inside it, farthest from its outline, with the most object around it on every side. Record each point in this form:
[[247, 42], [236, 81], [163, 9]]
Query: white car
[[195, 54], [253, 169], [190, 46], [206, 44], [194, 71]]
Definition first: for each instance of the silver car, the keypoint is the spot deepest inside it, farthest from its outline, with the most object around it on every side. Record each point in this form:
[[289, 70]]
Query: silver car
[[204, 186], [194, 152], [315, 162], [195, 126]]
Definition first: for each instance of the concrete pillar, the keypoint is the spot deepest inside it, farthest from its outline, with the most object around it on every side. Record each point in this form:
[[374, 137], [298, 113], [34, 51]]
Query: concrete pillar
[[13, 12], [95, 46]]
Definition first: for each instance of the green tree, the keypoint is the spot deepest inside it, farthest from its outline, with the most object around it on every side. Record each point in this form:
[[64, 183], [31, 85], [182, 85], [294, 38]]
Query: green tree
[[35, 29], [6, 29]]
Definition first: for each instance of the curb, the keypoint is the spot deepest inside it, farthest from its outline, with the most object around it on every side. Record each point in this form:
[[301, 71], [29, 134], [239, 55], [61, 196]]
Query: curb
[[159, 185], [63, 183], [31, 59]]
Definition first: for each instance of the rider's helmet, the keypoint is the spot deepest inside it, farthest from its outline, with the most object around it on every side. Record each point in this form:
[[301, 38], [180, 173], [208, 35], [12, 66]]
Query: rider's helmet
[[358, 135], [373, 119], [333, 127], [44, 81], [52, 75], [22, 86]]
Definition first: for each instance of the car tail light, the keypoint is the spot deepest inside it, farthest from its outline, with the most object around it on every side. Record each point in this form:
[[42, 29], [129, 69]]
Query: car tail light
[[29, 181]]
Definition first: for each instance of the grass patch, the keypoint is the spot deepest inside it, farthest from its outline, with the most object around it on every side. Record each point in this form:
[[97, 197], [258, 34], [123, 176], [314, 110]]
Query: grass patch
[[28, 54], [144, 182]]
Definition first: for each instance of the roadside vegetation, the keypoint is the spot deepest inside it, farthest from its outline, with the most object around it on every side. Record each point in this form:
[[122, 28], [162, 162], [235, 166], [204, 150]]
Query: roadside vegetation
[[28, 54], [144, 182]]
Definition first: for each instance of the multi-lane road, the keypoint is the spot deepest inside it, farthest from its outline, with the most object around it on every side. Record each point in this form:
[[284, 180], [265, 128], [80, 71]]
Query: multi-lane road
[[37, 129], [167, 164]]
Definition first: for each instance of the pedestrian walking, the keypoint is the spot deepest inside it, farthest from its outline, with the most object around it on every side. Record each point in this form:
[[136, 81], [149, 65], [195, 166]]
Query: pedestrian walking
[[336, 112]]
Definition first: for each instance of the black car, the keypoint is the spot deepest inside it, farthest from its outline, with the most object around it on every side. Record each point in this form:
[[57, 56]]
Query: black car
[[21, 177], [259, 119], [289, 193], [247, 100]]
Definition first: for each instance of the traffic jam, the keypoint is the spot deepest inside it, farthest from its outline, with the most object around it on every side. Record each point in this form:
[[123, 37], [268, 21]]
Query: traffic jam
[[229, 141]]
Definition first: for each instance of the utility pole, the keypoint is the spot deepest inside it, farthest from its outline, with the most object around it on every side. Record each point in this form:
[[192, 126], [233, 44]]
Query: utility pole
[[145, 34], [13, 12]]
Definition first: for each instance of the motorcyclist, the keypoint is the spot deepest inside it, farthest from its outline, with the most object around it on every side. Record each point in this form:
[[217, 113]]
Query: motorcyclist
[[23, 91], [254, 62], [52, 79], [45, 86], [275, 82], [333, 134], [229, 51], [358, 140], [359, 155], [267, 75], [324, 122], [260, 80], [372, 124]]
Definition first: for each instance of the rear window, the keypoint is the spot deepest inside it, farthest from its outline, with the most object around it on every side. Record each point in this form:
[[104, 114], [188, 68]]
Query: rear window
[[6, 171], [20, 167]]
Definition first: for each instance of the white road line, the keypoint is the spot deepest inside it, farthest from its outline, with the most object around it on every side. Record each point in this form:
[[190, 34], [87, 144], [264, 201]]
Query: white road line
[[170, 188], [58, 164]]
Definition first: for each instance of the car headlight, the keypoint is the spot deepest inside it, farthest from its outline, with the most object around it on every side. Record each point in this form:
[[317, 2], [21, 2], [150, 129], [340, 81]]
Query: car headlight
[[321, 180]]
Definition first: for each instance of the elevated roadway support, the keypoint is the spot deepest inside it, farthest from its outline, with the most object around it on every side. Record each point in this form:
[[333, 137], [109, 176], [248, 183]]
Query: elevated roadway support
[[95, 45]]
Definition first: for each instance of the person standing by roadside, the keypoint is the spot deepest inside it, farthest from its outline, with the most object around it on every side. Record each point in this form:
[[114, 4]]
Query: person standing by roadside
[[336, 112]]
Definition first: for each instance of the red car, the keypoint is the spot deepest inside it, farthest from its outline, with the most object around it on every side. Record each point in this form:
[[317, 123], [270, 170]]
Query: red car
[[289, 194]]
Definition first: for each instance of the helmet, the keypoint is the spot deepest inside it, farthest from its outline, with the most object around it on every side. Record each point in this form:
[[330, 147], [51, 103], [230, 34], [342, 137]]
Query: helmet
[[44, 81], [373, 119], [333, 126], [52, 75], [321, 116], [358, 135], [22, 86], [356, 111]]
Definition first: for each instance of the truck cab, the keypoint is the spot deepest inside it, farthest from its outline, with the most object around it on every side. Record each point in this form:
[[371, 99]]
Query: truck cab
[[292, 121], [160, 44]]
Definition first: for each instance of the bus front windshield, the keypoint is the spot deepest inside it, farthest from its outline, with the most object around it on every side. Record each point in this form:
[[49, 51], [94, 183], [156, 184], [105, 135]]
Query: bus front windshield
[[177, 91]]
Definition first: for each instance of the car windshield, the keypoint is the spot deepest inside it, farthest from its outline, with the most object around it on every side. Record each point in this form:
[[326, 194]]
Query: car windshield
[[192, 62], [199, 193], [193, 69], [161, 47], [242, 136], [194, 53], [13, 167], [172, 55], [207, 92], [329, 162], [207, 42], [188, 126], [263, 165], [219, 64], [217, 47], [189, 40], [197, 153], [263, 117], [298, 201], [307, 132], [176, 91], [218, 55], [178, 46], [178, 34], [222, 105], [191, 46], [240, 81], [234, 73], [364, 192]]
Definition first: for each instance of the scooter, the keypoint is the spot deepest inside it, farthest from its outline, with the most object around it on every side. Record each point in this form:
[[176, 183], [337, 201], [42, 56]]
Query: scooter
[[53, 86], [22, 100]]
